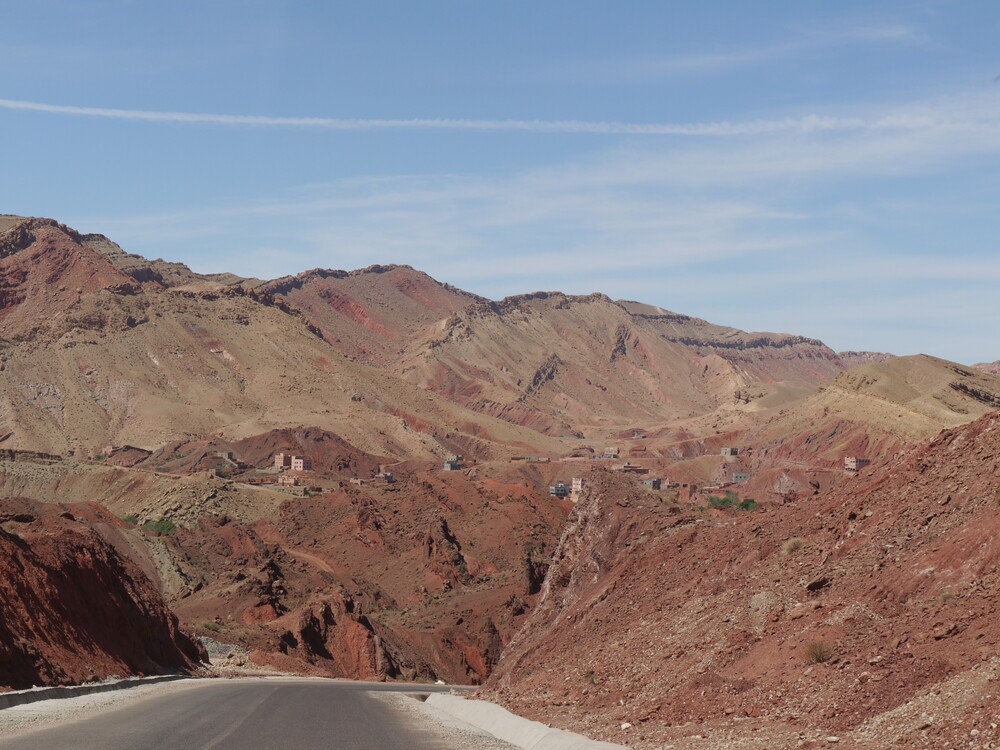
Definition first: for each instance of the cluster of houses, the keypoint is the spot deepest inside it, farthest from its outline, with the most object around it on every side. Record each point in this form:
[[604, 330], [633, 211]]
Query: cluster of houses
[[384, 475], [284, 463], [289, 461]]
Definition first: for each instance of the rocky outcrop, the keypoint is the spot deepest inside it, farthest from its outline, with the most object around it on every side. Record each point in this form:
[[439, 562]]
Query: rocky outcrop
[[991, 367], [26, 232], [853, 359], [332, 632], [72, 609]]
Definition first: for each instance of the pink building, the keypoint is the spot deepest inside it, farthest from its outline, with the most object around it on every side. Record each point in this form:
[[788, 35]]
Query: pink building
[[854, 463], [284, 461]]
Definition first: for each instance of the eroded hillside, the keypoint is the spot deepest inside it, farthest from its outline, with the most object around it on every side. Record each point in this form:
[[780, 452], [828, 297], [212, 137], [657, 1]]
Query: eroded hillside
[[579, 365], [72, 607], [91, 358], [866, 613]]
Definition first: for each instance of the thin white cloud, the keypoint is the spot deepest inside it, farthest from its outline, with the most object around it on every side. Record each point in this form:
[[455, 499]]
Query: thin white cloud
[[807, 41], [809, 123]]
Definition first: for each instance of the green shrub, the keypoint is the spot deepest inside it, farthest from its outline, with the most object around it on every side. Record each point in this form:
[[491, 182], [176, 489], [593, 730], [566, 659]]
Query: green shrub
[[161, 527], [131, 519], [732, 500]]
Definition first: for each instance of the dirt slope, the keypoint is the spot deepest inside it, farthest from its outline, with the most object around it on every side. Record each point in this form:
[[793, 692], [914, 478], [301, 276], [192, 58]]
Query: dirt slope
[[853, 359], [73, 609], [567, 365], [159, 273], [991, 367], [91, 357], [44, 272], [370, 313], [871, 411], [685, 623], [427, 577]]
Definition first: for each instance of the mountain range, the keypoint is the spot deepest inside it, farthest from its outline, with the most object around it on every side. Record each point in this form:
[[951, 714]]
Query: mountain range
[[142, 406]]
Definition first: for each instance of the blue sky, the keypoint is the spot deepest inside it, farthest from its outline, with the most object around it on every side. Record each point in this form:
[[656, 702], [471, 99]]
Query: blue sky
[[828, 169]]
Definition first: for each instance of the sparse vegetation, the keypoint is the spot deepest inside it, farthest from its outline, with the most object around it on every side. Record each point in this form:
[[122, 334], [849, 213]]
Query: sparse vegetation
[[792, 545], [729, 500], [161, 527], [732, 500], [131, 519], [212, 626], [818, 652]]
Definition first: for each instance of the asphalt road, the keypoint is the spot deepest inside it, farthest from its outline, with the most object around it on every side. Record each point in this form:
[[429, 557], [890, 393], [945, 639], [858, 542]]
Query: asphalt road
[[246, 715]]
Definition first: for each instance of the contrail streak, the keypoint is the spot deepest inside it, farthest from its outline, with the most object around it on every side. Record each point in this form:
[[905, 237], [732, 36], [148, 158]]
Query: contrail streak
[[723, 128]]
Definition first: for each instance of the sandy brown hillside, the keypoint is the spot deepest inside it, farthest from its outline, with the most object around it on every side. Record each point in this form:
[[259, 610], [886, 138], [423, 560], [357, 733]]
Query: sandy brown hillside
[[770, 358], [990, 367], [909, 398], [159, 272], [91, 358], [371, 313], [870, 411], [563, 364], [853, 359], [868, 613], [9, 220]]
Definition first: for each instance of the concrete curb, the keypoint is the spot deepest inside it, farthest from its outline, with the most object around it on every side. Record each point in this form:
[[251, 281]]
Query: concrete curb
[[518, 731], [21, 697]]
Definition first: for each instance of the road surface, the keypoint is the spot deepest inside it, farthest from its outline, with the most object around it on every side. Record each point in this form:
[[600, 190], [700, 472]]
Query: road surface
[[249, 715]]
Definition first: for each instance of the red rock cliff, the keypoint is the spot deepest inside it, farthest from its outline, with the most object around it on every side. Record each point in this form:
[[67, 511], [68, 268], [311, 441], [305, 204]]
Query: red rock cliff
[[72, 609]]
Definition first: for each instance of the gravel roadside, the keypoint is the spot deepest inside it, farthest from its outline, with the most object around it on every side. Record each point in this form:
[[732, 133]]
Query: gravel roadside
[[31, 716], [434, 720]]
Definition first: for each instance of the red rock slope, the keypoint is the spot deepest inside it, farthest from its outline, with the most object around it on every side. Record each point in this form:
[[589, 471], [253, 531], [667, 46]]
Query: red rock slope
[[71, 608], [425, 577], [868, 614], [44, 270], [373, 312]]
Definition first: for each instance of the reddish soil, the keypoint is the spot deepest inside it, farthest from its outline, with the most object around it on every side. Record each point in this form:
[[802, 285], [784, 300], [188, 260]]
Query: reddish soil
[[682, 622], [43, 272], [330, 453], [427, 577], [73, 609], [370, 313]]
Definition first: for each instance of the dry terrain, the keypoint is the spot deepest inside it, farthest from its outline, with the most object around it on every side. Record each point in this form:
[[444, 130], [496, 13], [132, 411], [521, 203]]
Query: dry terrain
[[867, 613], [142, 405], [75, 608]]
